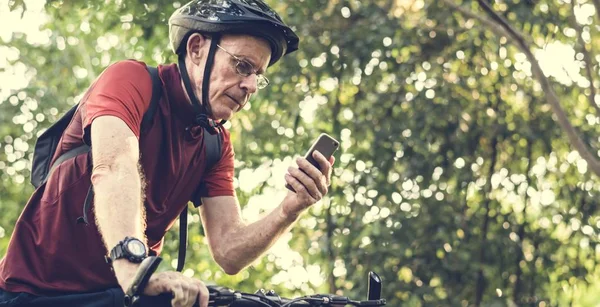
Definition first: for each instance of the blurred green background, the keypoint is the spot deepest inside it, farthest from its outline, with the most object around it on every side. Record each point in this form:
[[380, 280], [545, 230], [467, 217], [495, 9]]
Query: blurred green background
[[455, 181]]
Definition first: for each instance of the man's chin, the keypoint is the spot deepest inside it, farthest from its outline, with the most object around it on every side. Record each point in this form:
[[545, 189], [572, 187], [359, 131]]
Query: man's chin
[[223, 114]]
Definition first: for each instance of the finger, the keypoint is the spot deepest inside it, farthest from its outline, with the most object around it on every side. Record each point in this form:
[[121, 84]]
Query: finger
[[328, 176], [305, 180], [158, 283], [316, 176], [203, 294], [298, 187], [191, 292], [308, 168], [324, 164], [308, 182], [179, 295]]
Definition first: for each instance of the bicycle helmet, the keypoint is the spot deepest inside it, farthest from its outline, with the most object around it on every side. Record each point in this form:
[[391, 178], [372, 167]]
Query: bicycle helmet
[[217, 17], [252, 17]]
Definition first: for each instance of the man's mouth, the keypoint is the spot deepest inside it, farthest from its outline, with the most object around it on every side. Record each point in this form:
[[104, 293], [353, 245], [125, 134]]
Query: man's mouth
[[234, 100]]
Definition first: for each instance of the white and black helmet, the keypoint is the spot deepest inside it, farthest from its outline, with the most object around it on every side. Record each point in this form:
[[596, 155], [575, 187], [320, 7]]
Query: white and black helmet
[[251, 17]]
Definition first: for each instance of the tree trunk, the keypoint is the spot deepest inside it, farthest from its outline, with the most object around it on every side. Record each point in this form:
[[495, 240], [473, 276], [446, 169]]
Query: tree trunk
[[481, 282], [330, 224], [597, 5], [330, 253], [521, 231]]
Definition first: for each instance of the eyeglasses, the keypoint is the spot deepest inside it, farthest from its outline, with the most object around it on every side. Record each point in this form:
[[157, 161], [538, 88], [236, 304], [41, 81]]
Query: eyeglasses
[[246, 69]]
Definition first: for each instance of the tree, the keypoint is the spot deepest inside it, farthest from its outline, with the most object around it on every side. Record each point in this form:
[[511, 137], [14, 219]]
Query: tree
[[453, 181]]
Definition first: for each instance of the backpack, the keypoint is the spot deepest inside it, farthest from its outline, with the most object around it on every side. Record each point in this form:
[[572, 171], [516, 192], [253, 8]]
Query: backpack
[[47, 142]]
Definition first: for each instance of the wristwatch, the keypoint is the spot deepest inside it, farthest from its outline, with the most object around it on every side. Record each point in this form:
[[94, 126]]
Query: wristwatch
[[130, 248]]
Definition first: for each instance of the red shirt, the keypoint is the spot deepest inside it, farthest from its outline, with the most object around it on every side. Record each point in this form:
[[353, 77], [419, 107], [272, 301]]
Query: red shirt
[[49, 252]]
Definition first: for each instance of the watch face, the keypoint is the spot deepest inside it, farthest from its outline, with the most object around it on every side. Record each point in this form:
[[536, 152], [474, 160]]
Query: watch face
[[136, 248]]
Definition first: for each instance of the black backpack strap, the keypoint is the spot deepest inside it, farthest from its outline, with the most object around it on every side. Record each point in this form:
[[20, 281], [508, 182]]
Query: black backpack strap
[[66, 156], [212, 143], [146, 121], [212, 149], [183, 227], [213, 155], [86, 206], [156, 94]]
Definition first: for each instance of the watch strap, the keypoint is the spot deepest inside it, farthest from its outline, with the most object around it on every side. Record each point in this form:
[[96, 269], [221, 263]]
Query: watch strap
[[119, 252]]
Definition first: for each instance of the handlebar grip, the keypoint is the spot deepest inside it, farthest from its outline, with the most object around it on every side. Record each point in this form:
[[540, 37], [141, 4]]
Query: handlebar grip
[[162, 300], [217, 297]]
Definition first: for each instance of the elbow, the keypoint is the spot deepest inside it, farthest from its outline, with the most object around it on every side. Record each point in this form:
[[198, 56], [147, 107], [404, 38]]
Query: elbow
[[102, 171], [99, 173], [229, 265]]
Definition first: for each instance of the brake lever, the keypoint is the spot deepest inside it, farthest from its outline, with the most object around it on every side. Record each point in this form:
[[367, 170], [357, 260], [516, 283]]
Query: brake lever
[[142, 276], [222, 295]]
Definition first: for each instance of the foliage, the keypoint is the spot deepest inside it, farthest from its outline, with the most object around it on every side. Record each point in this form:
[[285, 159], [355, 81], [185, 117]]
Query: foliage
[[454, 181]]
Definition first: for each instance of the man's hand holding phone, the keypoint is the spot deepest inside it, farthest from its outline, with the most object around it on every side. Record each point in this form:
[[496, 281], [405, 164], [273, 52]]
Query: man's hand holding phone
[[309, 181]]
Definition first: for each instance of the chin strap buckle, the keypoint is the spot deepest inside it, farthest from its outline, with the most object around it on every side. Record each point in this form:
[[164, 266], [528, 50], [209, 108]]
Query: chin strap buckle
[[203, 121], [207, 123]]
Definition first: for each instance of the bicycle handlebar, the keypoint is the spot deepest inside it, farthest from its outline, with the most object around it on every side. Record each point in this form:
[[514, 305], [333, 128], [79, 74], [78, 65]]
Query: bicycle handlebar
[[239, 299], [222, 296]]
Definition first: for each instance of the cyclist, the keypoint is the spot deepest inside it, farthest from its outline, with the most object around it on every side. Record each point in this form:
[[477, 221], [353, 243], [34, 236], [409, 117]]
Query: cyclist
[[143, 179]]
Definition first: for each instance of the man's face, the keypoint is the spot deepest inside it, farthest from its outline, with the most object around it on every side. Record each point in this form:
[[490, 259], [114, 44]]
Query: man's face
[[228, 90]]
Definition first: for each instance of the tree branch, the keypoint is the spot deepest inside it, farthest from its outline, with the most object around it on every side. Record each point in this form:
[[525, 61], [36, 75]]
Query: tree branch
[[486, 22], [503, 28]]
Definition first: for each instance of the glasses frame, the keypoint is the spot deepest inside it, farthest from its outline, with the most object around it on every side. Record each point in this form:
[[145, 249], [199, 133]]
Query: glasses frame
[[261, 80]]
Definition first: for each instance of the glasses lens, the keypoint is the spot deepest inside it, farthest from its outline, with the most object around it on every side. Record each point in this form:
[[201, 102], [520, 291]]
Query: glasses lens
[[261, 81], [244, 68]]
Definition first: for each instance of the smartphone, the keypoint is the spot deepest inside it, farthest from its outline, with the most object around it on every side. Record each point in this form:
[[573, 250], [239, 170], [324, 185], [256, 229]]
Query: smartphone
[[326, 145]]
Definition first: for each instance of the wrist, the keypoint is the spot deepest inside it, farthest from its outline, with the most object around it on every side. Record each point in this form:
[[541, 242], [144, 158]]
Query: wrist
[[125, 271], [286, 214], [125, 258]]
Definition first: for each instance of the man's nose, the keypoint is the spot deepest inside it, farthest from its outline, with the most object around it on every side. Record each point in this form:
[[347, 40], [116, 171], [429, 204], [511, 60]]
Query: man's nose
[[249, 83]]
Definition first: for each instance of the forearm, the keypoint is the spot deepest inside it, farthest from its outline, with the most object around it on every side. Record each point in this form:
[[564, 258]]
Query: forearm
[[118, 203], [246, 243], [119, 212]]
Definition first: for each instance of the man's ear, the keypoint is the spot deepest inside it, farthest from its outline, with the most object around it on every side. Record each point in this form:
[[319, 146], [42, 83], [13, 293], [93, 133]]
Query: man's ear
[[196, 47]]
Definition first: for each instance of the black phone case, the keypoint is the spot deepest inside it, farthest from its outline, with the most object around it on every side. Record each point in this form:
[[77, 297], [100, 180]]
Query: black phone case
[[324, 144]]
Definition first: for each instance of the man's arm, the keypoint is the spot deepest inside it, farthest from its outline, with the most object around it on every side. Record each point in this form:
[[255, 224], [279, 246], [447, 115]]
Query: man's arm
[[118, 202], [119, 208], [234, 244]]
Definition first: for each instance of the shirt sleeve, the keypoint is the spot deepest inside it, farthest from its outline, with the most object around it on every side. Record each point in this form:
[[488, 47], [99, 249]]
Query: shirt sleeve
[[123, 90], [218, 181]]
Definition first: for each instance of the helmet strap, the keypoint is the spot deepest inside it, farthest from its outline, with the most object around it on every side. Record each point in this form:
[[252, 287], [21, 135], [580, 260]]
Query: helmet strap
[[202, 110], [210, 60]]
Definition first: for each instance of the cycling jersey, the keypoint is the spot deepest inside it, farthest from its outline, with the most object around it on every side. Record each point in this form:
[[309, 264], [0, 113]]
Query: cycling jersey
[[49, 251]]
